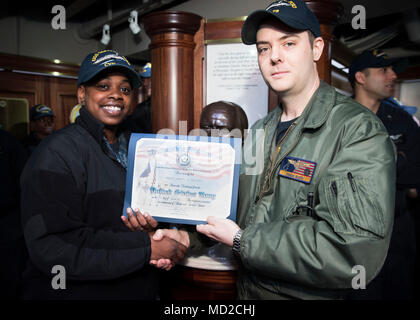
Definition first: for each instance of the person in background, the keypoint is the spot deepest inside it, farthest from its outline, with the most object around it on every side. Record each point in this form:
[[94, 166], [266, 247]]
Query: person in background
[[13, 157], [412, 110], [140, 120], [73, 195], [372, 75], [41, 125]]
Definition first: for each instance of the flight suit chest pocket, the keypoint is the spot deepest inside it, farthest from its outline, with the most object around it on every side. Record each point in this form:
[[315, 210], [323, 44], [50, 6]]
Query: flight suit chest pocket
[[353, 206]]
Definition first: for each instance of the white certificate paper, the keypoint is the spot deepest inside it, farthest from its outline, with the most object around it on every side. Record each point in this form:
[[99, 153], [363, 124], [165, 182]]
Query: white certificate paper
[[182, 179]]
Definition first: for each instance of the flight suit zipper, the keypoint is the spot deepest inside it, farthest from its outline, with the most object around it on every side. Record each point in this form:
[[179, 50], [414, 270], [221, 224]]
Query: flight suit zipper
[[267, 179], [334, 188]]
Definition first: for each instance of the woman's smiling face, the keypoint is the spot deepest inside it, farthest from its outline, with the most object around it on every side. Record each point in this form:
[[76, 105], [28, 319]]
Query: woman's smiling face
[[107, 98]]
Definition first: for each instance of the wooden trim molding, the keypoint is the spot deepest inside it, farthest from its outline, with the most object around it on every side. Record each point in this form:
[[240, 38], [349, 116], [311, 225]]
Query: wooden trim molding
[[37, 65], [223, 29], [171, 22]]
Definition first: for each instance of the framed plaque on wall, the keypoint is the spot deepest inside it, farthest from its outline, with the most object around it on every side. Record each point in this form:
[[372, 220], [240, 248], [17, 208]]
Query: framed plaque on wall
[[232, 74]]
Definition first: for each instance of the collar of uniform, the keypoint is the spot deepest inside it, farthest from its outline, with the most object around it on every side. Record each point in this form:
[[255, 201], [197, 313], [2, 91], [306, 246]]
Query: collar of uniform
[[274, 115], [92, 125], [322, 102], [319, 106]]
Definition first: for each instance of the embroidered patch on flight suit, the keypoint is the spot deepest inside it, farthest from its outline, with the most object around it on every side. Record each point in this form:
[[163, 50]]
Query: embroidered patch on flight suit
[[297, 169]]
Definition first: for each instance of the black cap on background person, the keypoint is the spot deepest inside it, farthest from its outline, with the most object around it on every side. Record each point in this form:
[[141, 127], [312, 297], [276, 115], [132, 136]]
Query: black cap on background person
[[41, 125], [39, 111], [375, 59]]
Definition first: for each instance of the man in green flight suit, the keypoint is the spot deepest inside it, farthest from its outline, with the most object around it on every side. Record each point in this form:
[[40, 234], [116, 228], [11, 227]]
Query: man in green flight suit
[[315, 207]]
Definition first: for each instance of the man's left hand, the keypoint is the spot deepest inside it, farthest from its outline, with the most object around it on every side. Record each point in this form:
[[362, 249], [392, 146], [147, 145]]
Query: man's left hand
[[222, 230]]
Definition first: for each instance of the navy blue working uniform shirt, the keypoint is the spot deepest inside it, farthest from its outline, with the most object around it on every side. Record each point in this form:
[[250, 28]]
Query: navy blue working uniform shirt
[[405, 134]]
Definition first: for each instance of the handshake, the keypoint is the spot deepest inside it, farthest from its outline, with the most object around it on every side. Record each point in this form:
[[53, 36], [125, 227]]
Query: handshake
[[169, 246]]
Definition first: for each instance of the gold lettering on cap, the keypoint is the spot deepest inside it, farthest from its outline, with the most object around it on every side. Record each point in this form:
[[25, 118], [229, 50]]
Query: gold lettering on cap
[[95, 56]]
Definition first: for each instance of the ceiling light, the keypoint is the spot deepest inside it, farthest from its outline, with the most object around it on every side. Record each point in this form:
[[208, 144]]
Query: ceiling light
[[134, 26], [106, 37], [57, 61], [337, 64]]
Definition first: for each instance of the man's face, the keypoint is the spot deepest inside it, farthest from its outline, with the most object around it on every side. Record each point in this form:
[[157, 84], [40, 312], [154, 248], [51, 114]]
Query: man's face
[[107, 99], [379, 82], [147, 87], [43, 126], [286, 57]]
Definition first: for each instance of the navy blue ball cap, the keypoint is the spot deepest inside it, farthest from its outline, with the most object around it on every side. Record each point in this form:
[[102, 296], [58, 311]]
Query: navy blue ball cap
[[294, 14], [375, 59], [146, 72], [96, 62], [39, 111]]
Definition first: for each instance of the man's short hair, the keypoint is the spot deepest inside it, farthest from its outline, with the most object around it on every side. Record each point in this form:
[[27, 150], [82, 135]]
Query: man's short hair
[[353, 79]]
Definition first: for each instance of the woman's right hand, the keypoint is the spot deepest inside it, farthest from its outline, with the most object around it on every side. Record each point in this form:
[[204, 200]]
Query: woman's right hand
[[139, 221]]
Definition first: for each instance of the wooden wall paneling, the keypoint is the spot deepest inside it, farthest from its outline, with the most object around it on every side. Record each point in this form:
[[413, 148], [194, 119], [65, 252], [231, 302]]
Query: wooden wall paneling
[[57, 92], [224, 29], [14, 62], [63, 98], [20, 85], [199, 74], [324, 63], [327, 12]]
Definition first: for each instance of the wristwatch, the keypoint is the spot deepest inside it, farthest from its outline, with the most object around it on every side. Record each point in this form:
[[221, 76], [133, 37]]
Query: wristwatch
[[236, 248]]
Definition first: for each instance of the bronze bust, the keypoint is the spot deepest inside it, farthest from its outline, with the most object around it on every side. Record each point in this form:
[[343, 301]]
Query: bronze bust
[[223, 118]]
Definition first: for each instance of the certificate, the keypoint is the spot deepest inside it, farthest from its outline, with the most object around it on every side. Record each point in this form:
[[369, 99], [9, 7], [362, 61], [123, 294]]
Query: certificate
[[183, 179]]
